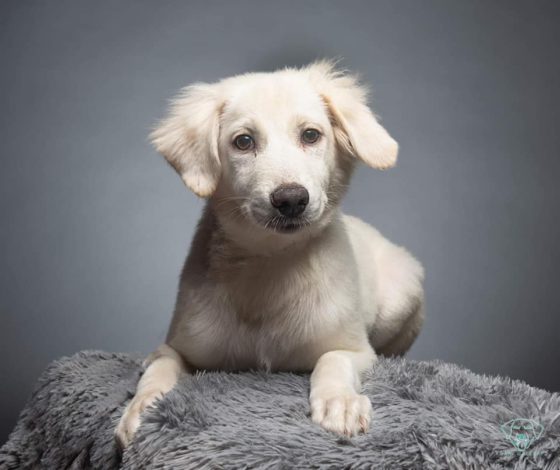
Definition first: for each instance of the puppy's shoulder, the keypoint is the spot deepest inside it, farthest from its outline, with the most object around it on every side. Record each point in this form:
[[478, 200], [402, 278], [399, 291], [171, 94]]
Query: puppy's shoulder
[[357, 228]]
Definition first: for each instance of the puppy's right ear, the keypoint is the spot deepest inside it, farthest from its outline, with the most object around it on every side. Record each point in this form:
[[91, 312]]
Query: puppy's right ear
[[188, 137]]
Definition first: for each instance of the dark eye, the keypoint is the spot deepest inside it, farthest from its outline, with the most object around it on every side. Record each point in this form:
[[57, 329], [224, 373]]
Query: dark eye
[[244, 142], [310, 136]]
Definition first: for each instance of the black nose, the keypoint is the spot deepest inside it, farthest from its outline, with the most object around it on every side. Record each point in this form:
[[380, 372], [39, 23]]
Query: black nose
[[290, 199]]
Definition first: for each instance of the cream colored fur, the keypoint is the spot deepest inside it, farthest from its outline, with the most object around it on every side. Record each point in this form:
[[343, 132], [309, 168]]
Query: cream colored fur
[[324, 298]]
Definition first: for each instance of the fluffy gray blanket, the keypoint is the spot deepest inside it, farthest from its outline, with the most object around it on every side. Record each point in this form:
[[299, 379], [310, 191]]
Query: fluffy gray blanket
[[426, 415]]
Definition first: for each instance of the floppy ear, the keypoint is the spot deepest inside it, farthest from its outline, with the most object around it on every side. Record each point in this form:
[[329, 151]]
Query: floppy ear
[[355, 127], [188, 137]]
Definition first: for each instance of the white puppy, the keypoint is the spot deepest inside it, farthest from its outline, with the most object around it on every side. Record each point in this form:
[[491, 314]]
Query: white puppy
[[277, 277]]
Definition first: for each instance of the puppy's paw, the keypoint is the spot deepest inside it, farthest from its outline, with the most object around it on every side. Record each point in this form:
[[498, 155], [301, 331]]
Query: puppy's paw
[[130, 420], [345, 414]]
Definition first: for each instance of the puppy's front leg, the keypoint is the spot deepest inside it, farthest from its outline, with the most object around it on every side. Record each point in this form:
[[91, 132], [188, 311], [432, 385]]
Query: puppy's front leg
[[163, 368], [336, 403]]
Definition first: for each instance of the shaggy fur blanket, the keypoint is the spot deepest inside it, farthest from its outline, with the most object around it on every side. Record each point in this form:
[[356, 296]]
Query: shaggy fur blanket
[[426, 415]]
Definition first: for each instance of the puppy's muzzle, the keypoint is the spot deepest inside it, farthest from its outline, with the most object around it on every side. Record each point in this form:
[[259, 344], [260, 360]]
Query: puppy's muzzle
[[290, 200]]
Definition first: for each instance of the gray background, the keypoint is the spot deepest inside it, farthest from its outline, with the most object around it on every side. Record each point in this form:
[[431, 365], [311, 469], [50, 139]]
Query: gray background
[[95, 226]]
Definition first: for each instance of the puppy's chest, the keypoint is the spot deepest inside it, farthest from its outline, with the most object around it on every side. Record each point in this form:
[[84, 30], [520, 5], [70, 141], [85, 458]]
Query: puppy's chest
[[272, 317], [228, 342], [283, 293]]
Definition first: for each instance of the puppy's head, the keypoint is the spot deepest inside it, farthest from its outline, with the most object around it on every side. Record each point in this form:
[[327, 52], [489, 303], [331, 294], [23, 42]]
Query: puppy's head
[[274, 149]]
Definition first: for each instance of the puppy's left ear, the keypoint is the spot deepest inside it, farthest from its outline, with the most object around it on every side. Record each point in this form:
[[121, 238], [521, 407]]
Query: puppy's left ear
[[355, 127], [188, 137]]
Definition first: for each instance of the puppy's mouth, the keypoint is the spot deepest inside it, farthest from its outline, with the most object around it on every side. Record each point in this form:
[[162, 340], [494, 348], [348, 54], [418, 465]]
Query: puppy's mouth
[[285, 224]]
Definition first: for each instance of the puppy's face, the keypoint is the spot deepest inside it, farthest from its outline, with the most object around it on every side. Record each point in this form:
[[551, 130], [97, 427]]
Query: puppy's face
[[277, 153], [274, 149]]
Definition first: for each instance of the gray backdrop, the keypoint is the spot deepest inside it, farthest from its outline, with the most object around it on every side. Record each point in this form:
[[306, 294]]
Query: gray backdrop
[[95, 226]]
